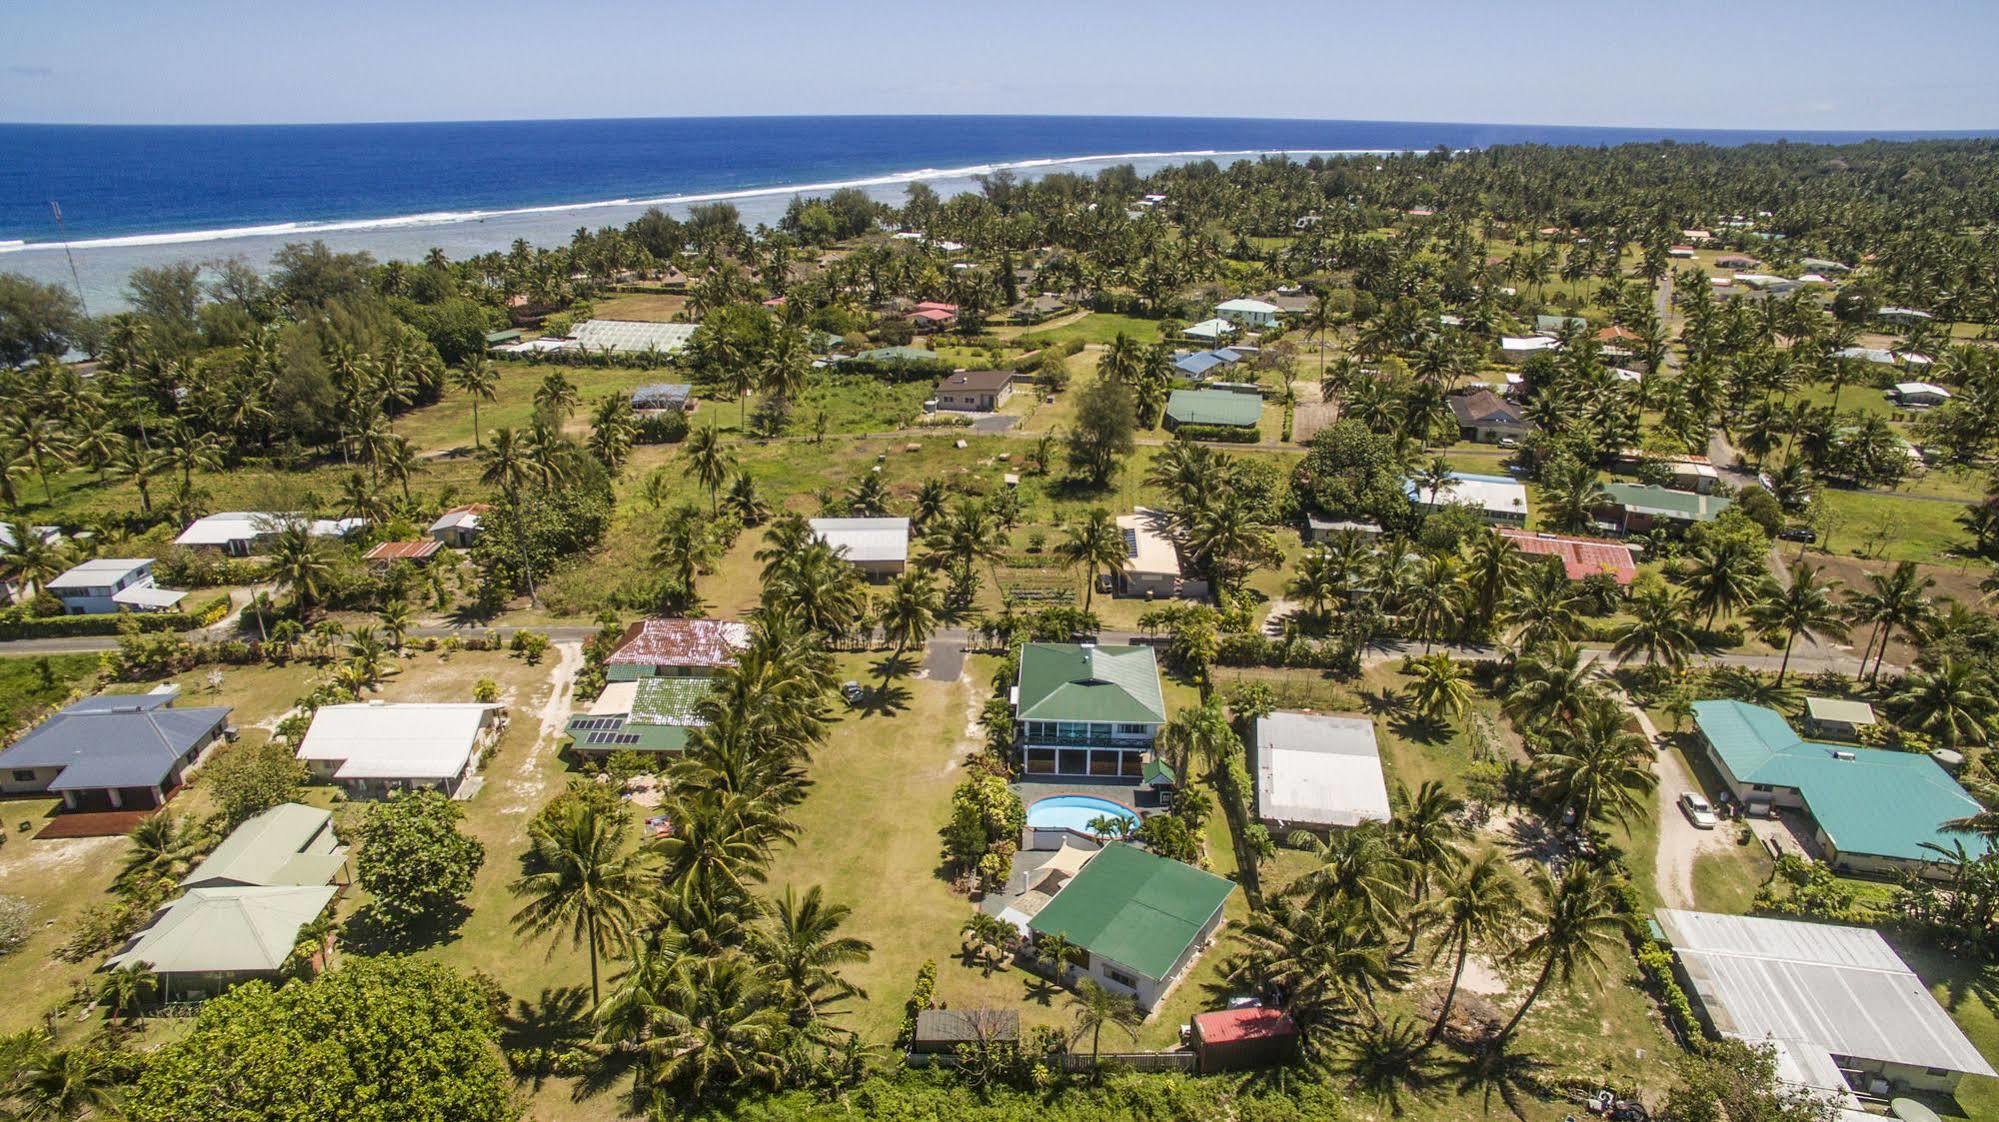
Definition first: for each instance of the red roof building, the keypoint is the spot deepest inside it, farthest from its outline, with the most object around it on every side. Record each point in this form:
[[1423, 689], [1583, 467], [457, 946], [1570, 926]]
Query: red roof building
[[1231, 1039], [654, 647], [1581, 557], [420, 550]]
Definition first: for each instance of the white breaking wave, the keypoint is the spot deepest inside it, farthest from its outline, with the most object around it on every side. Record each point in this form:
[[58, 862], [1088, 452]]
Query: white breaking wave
[[449, 217]]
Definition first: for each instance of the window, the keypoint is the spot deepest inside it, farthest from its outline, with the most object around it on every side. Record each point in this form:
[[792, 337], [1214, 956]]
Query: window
[[24, 775], [1120, 977], [1073, 761], [1072, 730], [1131, 764], [1040, 761], [1104, 763], [1134, 730], [1936, 1071], [1765, 787]]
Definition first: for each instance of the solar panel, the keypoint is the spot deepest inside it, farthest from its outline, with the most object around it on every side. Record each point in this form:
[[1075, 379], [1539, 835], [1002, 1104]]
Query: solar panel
[[612, 738], [597, 724], [1131, 543]]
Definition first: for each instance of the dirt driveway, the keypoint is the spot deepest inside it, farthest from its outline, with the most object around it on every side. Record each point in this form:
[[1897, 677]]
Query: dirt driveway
[[1680, 843]]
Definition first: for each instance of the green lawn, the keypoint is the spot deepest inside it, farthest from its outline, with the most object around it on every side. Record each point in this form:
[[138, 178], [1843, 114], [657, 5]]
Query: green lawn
[[1096, 327], [1891, 528], [30, 686]]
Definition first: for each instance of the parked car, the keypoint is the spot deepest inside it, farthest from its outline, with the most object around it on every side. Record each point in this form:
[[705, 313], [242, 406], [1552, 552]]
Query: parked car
[[1798, 534], [853, 692], [1699, 811]]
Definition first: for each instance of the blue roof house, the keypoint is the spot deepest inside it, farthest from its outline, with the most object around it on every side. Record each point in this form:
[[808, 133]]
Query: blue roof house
[[1872, 810], [111, 752]]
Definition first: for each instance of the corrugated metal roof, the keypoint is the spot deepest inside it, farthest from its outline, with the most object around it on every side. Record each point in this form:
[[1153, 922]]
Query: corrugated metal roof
[[701, 643], [1137, 909], [1214, 407], [96, 573], [1842, 989], [410, 740], [114, 740], [865, 539], [1074, 682], [290, 844], [1319, 770], [226, 930]]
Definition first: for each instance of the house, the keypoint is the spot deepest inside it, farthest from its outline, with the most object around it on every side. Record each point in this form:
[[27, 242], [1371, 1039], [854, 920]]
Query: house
[[111, 584], [942, 1031], [416, 552], [1291, 301], [1320, 529], [1138, 919], [1198, 364], [1872, 810], [1519, 346], [111, 752], [240, 533], [1680, 251], [1580, 557], [1497, 498], [878, 547], [1210, 330], [1902, 316], [377, 747], [1486, 417], [1835, 716], [1735, 261], [459, 526], [213, 938], [1683, 472], [1635, 508], [974, 391], [1152, 567], [1248, 313], [1086, 710], [1617, 335], [663, 397], [1038, 309], [1317, 772], [503, 338], [933, 316], [1880, 356], [1213, 407], [1919, 394], [1842, 1010], [287, 846], [676, 648], [1241, 1039], [1824, 265], [634, 337], [640, 715]]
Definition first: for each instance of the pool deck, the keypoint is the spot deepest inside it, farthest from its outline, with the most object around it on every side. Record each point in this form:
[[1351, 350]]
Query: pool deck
[[1119, 790]]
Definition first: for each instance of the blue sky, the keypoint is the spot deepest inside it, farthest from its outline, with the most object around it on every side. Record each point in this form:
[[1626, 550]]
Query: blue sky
[[1830, 64]]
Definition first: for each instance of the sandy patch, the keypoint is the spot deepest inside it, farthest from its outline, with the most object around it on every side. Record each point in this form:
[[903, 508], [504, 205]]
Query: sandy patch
[[1481, 977]]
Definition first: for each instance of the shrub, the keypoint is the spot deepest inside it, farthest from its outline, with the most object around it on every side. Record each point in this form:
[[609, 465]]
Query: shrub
[[486, 691], [15, 914], [1225, 434]]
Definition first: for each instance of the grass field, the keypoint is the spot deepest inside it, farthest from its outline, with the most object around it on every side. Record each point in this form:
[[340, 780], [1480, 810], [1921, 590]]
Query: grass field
[[1888, 528], [31, 686], [1095, 327]]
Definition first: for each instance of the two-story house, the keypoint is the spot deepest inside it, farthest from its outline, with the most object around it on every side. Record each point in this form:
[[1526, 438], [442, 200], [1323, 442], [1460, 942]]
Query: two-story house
[[1086, 710]]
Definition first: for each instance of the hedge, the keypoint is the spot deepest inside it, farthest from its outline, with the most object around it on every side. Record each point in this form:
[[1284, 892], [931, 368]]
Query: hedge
[[15, 626], [1224, 434]]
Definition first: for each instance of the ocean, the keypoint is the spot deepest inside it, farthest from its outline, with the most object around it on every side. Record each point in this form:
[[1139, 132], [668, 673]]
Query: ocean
[[145, 195]]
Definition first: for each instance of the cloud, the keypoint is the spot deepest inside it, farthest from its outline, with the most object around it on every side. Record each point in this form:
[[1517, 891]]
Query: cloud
[[20, 71]]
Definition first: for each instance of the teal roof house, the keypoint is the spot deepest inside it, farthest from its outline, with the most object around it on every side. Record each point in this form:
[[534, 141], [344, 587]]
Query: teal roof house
[[1872, 810]]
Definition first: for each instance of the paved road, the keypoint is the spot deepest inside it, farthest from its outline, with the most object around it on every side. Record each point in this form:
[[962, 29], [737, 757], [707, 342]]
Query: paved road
[[944, 657]]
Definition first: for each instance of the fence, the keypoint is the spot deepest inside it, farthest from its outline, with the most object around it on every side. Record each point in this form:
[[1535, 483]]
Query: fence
[[1079, 1062]]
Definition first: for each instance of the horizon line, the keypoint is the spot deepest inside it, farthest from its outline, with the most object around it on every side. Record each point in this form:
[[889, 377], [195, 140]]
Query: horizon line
[[1967, 132]]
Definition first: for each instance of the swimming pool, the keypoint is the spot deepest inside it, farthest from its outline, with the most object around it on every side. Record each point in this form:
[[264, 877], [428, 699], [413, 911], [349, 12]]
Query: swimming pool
[[1075, 812]]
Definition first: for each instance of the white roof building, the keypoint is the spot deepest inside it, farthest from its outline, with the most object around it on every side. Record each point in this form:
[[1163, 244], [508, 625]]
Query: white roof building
[[865, 540], [1830, 998], [1921, 392], [630, 336], [1211, 329], [409, 742], [1315, 771], [1527, 344], [238, 529], [97, 573], [1498, 498]]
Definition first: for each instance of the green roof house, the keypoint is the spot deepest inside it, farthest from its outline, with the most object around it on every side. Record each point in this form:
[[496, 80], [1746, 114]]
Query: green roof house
[[644, 715], [288, 845], [213, 938], [1089, 710], [1213, 407], [1873, 810], [1637, 507], [1142, 918]]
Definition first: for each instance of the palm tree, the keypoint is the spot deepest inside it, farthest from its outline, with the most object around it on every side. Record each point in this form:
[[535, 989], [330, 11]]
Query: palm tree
[[395, 620], [712, 1026], [1807, 605], [1545, 610], [585, 880], [1581, 921], [987, 939], [64, 1083], [1661, 629], [507, 463], [1093, 543], [298, 565], [745, 502], [804, 949], [1096, 1007], [909, 615], [1432, 603], [1426, 835], [28, 558], [398, 463], [1954, 704], [43, 442], [682, 545], [709, 461], [1898, 600], [127, 989], [1443, 688], [1595, 765], [556, 396], [134, 461], [1479, 903], [480, 381], [1552, 686], [868, 497], [1725, 578], [163, 848]]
